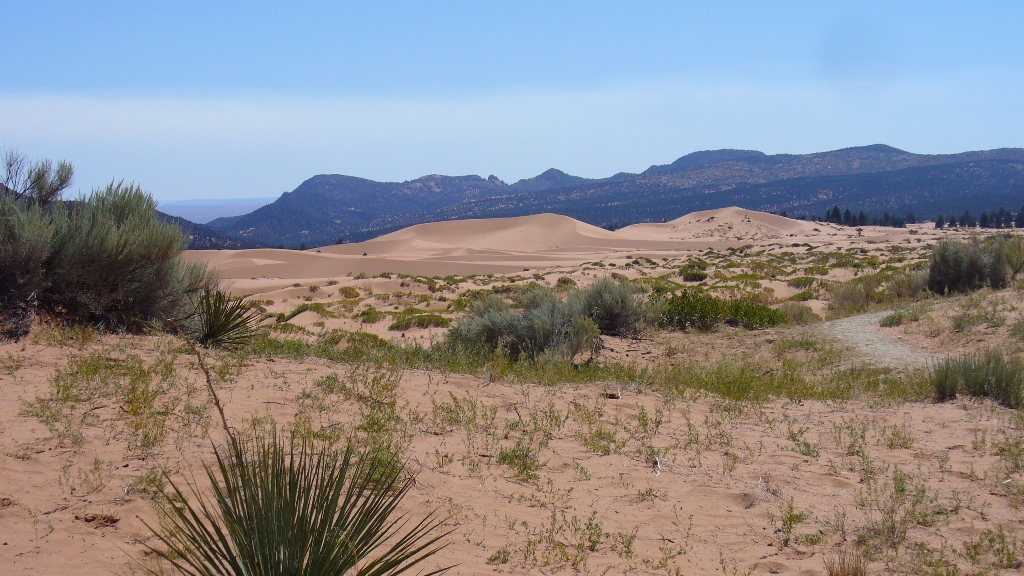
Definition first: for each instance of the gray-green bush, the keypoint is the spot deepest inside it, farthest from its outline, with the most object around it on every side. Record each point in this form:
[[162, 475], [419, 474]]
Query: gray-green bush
[[26, 237], [616, 307], [104, 260], [545, 323], [958, 266]]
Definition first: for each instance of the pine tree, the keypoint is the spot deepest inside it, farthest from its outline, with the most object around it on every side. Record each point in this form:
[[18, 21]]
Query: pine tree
[[940, 223]]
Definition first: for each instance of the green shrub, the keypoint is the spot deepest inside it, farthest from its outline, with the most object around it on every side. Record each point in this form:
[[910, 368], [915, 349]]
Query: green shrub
[[894, 319], [693, 274], [801, 282], [803, 296], [957, 266], [752, 316], [369, 315], [565, 283], [694, 310], [656, 285], [908, 284], [316, 307], [988, 375], [855, 296], [697, 264], [901, 317], [348, 292]]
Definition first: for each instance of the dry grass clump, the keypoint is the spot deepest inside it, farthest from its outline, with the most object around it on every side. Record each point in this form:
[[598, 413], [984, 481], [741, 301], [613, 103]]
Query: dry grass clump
[[958, 266], [847, 562], [987, 375]]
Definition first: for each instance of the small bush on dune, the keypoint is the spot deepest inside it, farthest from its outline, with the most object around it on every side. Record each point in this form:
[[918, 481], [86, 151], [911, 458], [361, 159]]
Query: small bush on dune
[[690, 274], [798, 313], [104, 260], [958, 266], [544, 324], [616, 307], [692, 309], [801, 282], [853, 297], [410, 321], [26, 237], [987, 375], [115, 265], [908, 284], [752, 316]]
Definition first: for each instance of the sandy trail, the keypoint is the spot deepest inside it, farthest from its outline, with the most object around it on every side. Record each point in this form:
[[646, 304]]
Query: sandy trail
[[865, 336]]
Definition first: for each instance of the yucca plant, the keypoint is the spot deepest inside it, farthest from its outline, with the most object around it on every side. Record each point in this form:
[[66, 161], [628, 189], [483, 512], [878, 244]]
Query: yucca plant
[[223, 321], [294, 509]]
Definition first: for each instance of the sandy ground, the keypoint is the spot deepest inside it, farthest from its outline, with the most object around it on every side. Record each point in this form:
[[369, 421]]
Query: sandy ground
[[737, 488], [862, 334]]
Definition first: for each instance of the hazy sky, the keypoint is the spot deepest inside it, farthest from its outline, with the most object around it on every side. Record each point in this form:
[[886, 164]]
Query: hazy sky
[[224, 99]]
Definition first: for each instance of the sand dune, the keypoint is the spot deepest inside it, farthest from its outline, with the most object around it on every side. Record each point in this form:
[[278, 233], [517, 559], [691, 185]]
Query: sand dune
[[511, 245], [726, 223], [520, 234]]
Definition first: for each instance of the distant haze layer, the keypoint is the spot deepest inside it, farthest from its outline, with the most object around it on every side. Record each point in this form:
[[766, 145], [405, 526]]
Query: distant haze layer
[[203, 211]]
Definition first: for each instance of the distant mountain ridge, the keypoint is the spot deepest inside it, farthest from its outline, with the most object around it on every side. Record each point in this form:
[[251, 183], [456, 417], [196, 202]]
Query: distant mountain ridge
[[329, 208]]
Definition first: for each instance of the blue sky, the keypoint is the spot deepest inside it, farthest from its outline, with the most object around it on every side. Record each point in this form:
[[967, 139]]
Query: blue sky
[[222, 100]]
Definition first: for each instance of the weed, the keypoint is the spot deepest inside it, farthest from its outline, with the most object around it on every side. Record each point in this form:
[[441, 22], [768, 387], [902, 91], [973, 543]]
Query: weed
[[802, 446], [893, 506], [581, 470], [148, 396], [10, 363], [847, 562], [500, 556], [994, 548], [900, 437], [786, 522]]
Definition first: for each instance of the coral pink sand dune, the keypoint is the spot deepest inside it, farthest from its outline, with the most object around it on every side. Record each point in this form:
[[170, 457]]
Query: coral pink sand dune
[[506, 245], [724, 223]]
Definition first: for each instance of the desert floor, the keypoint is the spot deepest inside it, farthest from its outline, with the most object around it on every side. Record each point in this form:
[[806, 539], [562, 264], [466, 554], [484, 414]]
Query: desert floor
[[641, 468]]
